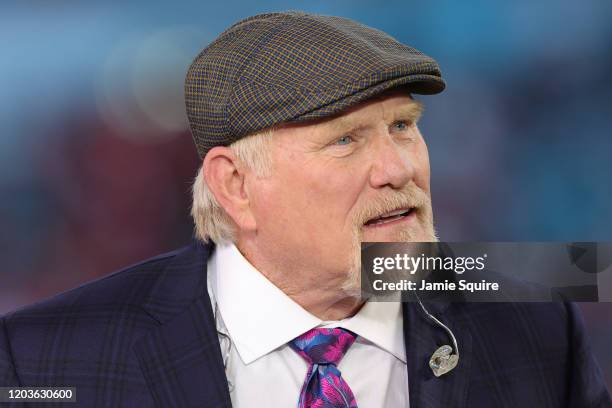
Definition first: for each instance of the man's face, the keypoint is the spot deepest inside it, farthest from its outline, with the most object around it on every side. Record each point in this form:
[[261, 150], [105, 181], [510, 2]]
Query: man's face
[[331, 180]]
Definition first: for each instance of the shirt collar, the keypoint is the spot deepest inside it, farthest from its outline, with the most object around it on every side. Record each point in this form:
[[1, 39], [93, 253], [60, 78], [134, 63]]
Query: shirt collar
[[259, 317], [380, 323]]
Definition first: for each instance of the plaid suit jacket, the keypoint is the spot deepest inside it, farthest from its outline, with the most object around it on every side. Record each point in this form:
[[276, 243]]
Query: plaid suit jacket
[[145, 336]]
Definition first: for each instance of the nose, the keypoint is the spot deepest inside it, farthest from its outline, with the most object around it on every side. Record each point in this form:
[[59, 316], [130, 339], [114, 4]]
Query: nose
[[391, 166]]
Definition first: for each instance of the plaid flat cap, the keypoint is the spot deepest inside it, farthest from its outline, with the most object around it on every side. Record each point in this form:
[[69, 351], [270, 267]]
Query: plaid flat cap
[[288, 67]]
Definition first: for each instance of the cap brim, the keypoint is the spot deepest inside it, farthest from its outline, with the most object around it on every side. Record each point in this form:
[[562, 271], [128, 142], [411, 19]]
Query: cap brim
[[423, 84]]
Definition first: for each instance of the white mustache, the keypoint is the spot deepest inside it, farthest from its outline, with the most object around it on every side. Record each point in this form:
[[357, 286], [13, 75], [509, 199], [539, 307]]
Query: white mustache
[[409, 197]]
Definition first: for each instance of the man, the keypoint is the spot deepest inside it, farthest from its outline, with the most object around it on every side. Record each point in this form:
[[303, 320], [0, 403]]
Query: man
[[310, 145]]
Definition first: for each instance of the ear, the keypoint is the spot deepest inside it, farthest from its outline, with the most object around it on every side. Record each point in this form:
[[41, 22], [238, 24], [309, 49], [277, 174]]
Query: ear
[[225, 177]]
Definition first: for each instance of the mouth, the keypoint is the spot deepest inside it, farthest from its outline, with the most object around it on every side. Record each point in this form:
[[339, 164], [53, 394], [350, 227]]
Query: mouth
[[392, 217]]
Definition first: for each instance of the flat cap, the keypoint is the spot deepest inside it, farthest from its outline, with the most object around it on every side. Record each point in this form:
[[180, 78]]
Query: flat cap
[[286, 67]]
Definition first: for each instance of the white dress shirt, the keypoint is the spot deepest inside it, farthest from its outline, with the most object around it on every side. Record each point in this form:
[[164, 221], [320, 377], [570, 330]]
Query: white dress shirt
[[255, 321]]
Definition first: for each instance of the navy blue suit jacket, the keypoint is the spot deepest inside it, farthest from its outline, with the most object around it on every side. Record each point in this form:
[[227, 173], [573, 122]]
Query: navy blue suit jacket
[[145, 336]]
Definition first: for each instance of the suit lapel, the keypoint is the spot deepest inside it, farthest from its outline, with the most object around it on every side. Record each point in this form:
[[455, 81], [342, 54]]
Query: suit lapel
[[422, 338], [181, 358]]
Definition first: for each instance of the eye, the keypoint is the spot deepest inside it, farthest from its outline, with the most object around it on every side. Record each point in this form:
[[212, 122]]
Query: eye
[[402, 125], [344, 140]]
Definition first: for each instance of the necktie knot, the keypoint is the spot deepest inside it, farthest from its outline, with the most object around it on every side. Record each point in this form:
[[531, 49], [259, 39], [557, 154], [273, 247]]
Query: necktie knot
[[323, 346]]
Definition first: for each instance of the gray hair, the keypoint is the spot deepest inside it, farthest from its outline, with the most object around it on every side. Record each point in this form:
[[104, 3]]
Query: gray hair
[[211, 220]]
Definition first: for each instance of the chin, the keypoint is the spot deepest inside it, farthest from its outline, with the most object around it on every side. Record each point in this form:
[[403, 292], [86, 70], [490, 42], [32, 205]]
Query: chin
[[407, 235]]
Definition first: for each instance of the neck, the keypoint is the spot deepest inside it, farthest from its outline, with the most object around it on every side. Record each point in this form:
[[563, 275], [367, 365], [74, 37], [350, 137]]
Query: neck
[[326, 301], [325, 305]]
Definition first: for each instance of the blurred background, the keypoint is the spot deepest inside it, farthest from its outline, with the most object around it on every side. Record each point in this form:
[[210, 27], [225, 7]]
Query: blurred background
[[96, 159]]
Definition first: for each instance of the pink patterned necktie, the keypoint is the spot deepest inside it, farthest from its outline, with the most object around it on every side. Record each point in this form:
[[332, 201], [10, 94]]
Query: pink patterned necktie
[[324, 386]]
